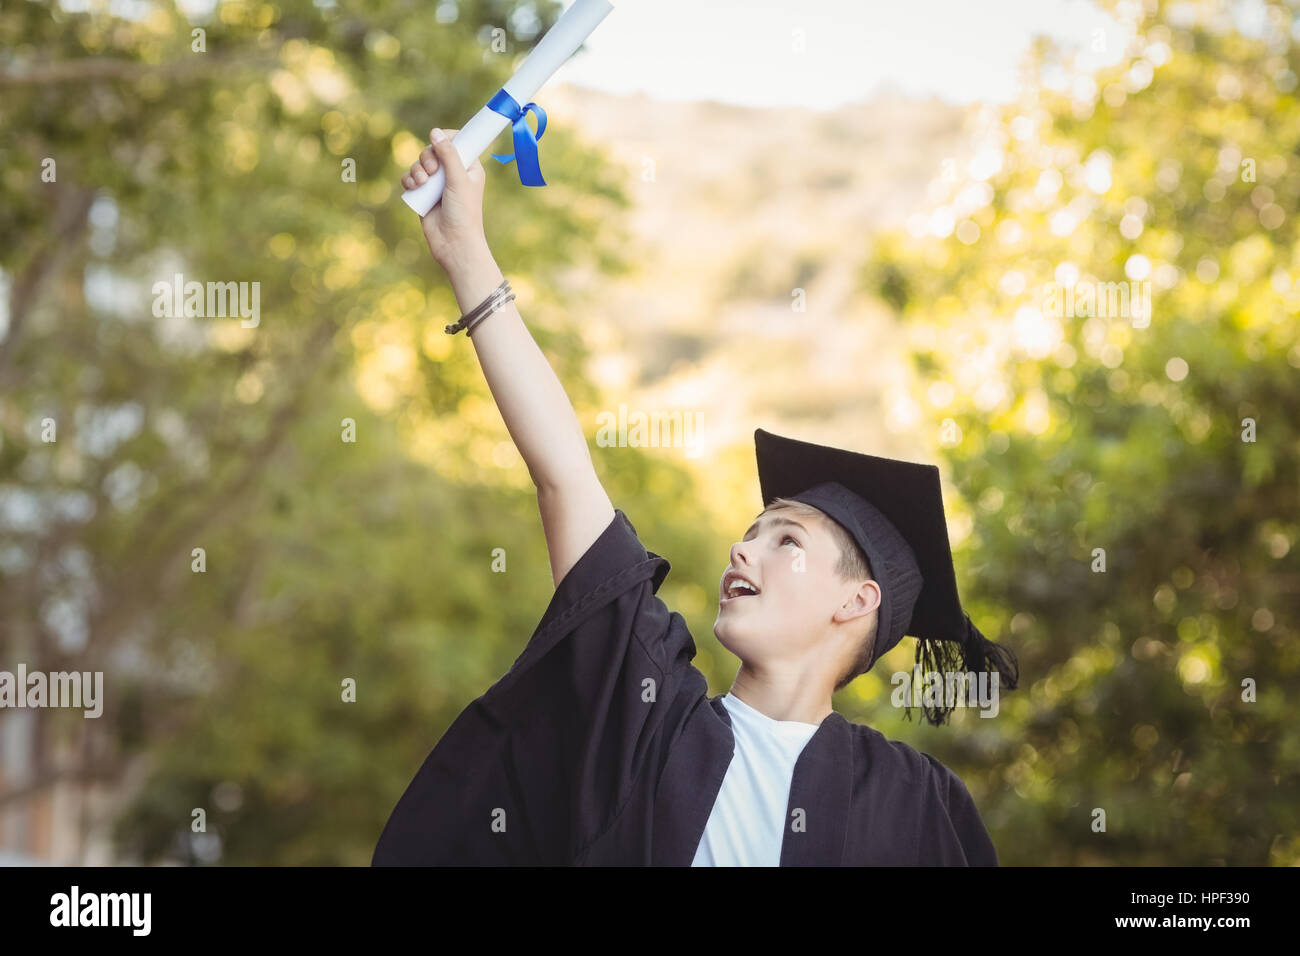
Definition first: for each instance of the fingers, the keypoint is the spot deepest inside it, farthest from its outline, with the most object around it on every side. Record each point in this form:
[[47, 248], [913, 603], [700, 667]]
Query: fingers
[[424, 167], [427, 164], [446, 154]]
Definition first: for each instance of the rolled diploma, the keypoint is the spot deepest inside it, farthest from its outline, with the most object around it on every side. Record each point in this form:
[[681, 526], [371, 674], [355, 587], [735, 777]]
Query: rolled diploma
[[552, 52]]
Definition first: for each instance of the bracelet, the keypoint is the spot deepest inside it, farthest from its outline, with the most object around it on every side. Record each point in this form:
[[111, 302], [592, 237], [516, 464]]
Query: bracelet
[[479, 311], [469, 329]]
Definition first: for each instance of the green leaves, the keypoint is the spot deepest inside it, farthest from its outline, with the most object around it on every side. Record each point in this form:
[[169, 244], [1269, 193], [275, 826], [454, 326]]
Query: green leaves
[[1130, 439]]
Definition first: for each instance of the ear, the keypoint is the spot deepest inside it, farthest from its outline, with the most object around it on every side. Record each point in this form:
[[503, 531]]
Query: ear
[[860, 603]]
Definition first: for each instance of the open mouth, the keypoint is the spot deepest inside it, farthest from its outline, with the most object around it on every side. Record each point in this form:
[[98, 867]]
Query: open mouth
[[738, 588]]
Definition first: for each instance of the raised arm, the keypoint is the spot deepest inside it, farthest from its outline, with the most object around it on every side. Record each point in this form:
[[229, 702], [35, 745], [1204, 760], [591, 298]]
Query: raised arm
[[538, 414]]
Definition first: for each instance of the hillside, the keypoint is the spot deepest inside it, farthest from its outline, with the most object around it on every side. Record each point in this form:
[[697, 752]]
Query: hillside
[[737, 208]]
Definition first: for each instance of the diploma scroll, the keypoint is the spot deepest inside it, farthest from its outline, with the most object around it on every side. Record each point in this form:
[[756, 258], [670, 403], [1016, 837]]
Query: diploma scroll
[[552, 51]]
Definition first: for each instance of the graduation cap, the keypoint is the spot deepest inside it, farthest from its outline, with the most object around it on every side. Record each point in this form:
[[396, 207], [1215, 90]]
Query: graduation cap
[[894, 510]]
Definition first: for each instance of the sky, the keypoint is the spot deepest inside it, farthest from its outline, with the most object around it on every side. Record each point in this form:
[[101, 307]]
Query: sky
[[819, 54], [746, 52]]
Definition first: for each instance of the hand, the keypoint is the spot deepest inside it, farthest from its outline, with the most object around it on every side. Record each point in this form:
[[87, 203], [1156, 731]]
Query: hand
[[454, 227]]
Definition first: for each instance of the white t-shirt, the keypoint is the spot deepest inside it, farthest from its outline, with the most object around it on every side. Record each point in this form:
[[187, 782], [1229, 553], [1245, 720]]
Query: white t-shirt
[[747, 823]]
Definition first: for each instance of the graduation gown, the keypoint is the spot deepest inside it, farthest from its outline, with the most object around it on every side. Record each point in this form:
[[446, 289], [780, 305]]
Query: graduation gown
[[601, 746]]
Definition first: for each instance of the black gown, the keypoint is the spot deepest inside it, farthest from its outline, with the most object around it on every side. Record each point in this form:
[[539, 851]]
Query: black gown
[[601, 746]]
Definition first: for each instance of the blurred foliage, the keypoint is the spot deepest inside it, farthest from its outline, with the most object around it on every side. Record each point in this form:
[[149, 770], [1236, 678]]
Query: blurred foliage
[[371, 560], [1068, 433], [325, 559]]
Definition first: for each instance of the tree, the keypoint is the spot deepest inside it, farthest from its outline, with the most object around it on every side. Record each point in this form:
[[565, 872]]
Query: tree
[[263, 145], [1164, 444]]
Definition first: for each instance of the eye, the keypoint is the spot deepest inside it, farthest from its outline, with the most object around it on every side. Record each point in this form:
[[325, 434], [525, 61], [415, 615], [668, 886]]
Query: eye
[[789, 538]]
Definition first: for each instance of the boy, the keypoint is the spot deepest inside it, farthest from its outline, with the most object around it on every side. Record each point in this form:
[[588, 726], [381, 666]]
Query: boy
[[600, 745]]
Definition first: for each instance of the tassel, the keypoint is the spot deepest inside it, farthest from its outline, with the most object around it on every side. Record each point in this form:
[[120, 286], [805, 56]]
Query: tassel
[[975, 654], [984, 655]]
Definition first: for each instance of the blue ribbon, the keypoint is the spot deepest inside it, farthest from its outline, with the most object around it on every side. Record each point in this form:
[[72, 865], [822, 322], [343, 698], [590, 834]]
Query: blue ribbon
[[530, 172]]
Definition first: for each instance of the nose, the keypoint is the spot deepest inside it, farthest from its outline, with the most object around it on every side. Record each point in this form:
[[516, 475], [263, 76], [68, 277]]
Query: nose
[[738, 556]]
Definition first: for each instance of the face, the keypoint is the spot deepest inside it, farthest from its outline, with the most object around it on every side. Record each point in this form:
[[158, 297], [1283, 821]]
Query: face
[[803, 611]]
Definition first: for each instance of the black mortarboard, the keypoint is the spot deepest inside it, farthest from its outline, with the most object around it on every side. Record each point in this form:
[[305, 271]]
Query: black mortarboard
[[894, 511]]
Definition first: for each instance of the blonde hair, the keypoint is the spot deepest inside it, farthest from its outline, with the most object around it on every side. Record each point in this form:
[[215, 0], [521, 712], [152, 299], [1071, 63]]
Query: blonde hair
[[853, 565]]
